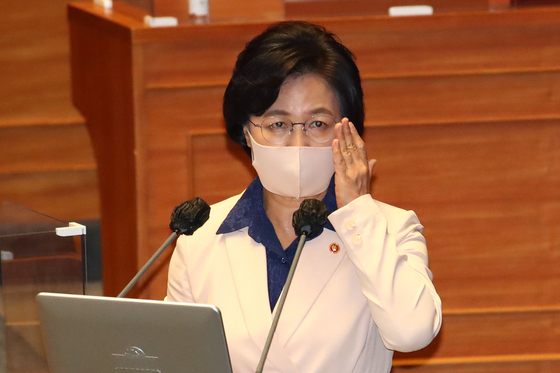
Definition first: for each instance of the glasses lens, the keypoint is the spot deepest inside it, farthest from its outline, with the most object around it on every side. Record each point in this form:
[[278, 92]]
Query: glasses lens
[[276, 129], [320, 128]]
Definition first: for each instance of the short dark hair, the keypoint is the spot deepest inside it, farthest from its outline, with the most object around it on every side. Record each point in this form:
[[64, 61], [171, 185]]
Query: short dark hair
[[290, 49]]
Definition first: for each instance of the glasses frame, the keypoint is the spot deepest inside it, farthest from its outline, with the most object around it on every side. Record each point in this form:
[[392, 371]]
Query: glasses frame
[[291, 131]]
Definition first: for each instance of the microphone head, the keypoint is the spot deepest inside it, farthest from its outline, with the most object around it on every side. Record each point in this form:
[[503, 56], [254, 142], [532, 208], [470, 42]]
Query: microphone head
[[310, 218], [189, 216]]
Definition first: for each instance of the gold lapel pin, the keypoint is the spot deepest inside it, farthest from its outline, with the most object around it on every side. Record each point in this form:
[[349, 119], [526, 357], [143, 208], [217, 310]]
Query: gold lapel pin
[[334, 248]]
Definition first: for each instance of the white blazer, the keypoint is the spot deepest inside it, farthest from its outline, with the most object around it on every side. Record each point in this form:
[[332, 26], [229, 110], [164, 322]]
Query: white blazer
[[345, 312]]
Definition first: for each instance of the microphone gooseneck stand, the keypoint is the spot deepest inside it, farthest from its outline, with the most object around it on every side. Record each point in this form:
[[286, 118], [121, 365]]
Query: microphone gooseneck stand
[[185, 219], [280, 305], [148, 264], [308, 222]]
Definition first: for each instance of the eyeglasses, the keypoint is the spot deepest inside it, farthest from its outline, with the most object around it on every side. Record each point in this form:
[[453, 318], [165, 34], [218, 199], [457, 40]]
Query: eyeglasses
[[277, 129]]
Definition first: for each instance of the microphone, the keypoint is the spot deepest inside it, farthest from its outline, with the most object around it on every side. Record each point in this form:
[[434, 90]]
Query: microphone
[[310, 218], [186, 218], [308, 222]]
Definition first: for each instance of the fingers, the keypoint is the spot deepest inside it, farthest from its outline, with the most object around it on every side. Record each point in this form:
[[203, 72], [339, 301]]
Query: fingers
[[350, 153], [345, 137], [352, 147], [352, 168], [359, 147], [338, 158]]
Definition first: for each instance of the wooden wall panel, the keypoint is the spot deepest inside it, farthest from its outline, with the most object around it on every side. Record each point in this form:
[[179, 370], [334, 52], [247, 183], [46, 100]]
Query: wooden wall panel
[[103, 81], [488, 195], [339, 8], [35, 72], [388, 102], [40, 148], [188, 60], [49, 168], [65, 195], [459, 49], [217, 159], [244, 10], [507, 162], [463, 98], [220, 10], [488, 336], [483, 43], [46, 162], [174, 113]]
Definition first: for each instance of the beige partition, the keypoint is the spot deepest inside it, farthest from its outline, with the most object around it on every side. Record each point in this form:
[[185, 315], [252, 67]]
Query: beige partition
[[463, 115]]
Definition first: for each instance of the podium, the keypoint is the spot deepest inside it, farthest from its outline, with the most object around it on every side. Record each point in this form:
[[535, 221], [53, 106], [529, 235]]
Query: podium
[[39, 253], [462, 113]]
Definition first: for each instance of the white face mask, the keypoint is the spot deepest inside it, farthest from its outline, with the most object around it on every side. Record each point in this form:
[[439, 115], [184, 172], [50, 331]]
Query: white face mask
[[293, 171]]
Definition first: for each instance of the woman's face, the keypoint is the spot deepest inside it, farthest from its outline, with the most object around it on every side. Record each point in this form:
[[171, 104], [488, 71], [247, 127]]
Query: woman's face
[[299, 99]]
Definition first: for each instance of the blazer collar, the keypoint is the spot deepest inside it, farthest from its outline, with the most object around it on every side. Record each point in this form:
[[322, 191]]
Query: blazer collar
[[249, 211], [242, 230], [248, 265]]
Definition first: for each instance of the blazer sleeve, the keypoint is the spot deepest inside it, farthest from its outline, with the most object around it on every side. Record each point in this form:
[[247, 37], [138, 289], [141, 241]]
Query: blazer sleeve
[[178, 285], [387, 248]]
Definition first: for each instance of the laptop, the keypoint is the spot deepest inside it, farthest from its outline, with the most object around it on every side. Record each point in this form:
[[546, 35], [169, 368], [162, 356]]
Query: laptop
[[92, 334]]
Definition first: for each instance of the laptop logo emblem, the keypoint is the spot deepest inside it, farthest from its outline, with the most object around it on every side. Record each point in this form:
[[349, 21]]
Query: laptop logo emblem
[[135, 360]]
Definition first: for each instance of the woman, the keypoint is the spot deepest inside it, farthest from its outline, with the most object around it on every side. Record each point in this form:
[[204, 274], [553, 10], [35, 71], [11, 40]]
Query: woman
[[362, 288]]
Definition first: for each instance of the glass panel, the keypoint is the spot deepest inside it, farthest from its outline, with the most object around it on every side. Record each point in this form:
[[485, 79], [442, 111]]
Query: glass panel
[[34, 259]]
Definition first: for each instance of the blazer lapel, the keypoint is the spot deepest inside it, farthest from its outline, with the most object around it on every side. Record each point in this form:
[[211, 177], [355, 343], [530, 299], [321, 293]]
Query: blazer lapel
[[248, 266], [315, 268]]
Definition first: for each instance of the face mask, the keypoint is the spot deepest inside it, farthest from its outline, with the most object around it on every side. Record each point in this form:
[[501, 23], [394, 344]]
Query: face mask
[[293, 171]]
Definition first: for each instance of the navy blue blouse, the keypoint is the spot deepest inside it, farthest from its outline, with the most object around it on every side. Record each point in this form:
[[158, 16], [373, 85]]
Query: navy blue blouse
[[249, 212]]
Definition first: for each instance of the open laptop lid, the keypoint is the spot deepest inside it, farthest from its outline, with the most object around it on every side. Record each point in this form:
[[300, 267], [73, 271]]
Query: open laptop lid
[[89, 334]]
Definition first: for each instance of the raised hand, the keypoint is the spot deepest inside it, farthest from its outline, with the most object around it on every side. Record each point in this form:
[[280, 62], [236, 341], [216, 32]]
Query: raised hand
[[352, 168]]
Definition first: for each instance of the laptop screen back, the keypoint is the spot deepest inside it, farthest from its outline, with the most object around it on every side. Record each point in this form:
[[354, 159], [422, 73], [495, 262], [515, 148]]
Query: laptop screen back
[[88, 334]]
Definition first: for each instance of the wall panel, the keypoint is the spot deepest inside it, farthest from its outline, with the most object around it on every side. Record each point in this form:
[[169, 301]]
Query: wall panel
[[45, 148], [464, 98], [489, 335], [54, 193]]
